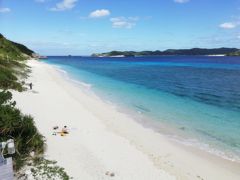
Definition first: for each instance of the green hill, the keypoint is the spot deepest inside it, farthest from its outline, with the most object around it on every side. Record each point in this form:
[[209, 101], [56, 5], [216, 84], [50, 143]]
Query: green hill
[[13, 51]]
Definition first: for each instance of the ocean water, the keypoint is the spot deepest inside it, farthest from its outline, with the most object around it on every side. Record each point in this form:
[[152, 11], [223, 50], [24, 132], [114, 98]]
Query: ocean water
[[192, 99]]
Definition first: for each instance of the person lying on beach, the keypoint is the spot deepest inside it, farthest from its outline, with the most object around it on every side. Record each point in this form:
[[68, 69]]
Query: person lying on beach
[[65, 130]]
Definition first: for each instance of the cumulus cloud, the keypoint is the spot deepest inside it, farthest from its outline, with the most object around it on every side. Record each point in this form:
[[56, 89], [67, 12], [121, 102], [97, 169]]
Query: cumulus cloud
[[124, 22], [5, 10], [64, 5], [99, 13], [181, 1], [228, 25]]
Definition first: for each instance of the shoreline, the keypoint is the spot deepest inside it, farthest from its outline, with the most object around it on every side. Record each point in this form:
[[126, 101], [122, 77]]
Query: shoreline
[[106, 141], [171, 132]]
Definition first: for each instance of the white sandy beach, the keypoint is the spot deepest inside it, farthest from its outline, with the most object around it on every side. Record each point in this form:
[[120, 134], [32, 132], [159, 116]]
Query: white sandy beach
[[102, 139]]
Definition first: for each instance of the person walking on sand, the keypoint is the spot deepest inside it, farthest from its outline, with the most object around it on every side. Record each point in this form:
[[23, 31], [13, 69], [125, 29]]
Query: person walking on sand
[[30, 85]]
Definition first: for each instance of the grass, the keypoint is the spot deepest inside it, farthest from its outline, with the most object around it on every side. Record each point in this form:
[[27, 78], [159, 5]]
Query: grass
[[9, 70], [13, 123], [16, 125], [13, 51], [46, 169], [21, 128]]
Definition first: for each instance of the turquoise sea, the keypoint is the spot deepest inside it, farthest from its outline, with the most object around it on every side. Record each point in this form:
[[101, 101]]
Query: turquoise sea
[[192, 99]]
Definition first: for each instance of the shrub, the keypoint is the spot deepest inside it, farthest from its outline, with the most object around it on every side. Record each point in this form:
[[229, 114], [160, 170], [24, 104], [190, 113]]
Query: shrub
[[20, 127]]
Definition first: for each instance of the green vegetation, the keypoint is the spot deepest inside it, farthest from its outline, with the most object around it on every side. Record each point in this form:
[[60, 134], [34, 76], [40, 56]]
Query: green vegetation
[[13, 51], [20, 127], [9, 70], [13, 123], [46, 169], [171, 52], [236, 53], [23, 49]]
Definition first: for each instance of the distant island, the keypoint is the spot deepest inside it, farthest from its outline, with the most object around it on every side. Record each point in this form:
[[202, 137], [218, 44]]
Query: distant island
[[173, 52]]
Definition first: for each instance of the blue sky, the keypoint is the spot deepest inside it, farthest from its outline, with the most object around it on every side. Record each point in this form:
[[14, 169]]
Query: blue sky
[[82, 27]]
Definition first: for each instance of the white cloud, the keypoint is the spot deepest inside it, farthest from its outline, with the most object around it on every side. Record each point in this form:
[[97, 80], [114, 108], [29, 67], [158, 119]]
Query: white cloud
[[64, 5], [99, 13], [181, 1], [123, 22], [4, 10], [228, 25]]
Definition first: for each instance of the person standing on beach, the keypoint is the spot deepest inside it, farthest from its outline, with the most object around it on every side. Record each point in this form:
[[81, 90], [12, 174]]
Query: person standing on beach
[[30, 85]]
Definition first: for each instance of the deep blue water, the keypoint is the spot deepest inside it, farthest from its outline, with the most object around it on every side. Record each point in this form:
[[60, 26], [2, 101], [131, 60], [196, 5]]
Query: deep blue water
[[197, 95]]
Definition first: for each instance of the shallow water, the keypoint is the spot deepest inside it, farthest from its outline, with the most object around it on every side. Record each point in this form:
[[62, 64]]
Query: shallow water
[[199, 97]]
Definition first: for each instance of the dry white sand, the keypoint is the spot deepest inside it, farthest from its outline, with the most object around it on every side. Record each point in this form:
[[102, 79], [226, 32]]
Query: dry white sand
[[102, 139]]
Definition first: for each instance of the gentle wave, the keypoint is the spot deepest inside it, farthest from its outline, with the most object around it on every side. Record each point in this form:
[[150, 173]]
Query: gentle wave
[[198, 97]]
